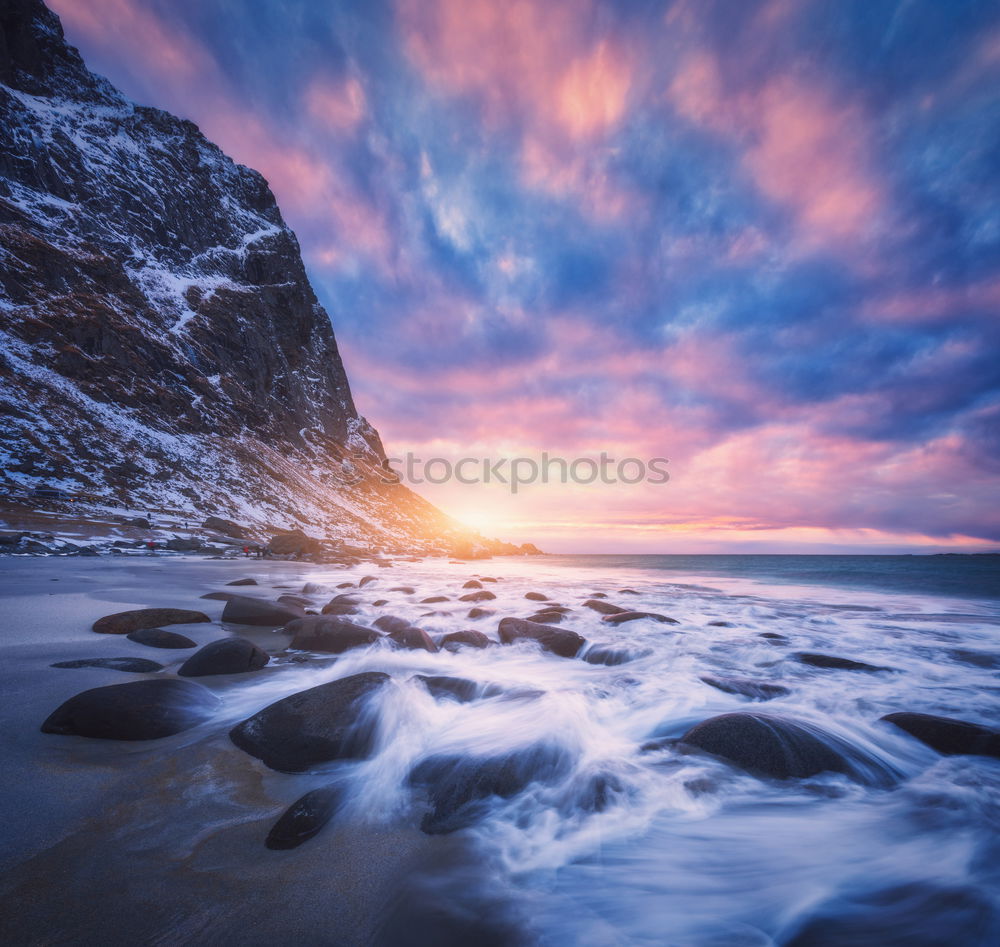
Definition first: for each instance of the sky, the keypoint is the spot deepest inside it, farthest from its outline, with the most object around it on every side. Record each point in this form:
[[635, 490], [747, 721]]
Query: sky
[[759, 239]]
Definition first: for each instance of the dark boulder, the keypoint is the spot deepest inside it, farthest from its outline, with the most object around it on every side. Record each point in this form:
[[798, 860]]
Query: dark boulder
[[622, 617], [455, 688], [324, 723], [919, 914], [433, 599], [413, 638], [158, 638], [459, 788], [609, 657], [294, 543], [130, 665], [465, 639], [783, 748], [947, 735], [627, 592], [390, 623], [314, 588], [483, 595], [242, 582], [340, 608], [241, 610], [122, 623], [226, 527], [380, 601], [604, 608], [290, 598], [566, 644], [472, 584], [305, 817], [328, 634], [536, 596], [832, 661], [405, 589], [744, 687], [720, 624], [547, 617], [773, 638], [366, 580], [225, 656], [138, 710], [183, 545], [478, 612]]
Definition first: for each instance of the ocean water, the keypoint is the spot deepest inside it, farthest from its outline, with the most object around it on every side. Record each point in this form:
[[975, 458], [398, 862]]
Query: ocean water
[[609, 832]]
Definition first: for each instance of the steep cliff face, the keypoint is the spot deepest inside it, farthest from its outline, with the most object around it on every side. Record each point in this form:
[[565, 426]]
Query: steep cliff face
[[160, 343]]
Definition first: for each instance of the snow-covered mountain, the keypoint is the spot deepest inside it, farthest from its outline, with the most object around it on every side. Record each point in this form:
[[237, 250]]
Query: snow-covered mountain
[[160, 344]]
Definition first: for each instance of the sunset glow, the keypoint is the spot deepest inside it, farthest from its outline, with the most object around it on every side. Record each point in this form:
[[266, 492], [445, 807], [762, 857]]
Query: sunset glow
[[759, 239]]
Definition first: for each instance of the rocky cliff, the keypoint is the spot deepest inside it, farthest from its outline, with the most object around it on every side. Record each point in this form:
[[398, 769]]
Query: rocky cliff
[[160, 343]]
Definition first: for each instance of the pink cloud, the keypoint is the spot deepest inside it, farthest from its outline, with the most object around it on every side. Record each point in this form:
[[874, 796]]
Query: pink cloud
[[337, 104]]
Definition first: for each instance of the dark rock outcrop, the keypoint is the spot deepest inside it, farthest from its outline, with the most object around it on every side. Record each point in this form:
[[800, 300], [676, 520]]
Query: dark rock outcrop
[[455, 688], [305, 817], [604, 608], [324, 723], [456, 640], [226, 527], [122, 623], [947, 735], [458, 787], [225, 656], [784, 749], [158, 638], [619, 618], [835, 663], [138, 710], [130, 665], [562, 642], [328, 634], [744, 687], [242, 582], [241, 610], [413, 638]]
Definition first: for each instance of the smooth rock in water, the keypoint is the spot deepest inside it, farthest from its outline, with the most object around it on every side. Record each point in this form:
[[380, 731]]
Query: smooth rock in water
[[627, 592], [225, 656], [566, 644], [478, 612], [328, 634], [483, 595], [947, 735], [130, 665], [241, 610], [242, 582], [547, 618], [598, 595], [121, 623], [459, 787], [433, 599], [345, 585], [609, 657], [390, 623], [621, 617], [978, 659], [305, 817], [773, 638], [720, 624], [465, 639], [314, 588], [380, 601], [486, 578], [340, 608], [158, 638], [472, 584], [832, 661], [604, 608], [138, 710], [366, 580], [413, 638], [919, 914], [405, 589], [324, 723], [784, 749], [291, 599], [744, 687], [536, 596], [456, 688]]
